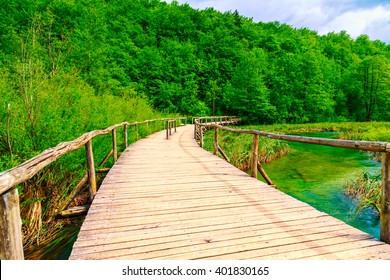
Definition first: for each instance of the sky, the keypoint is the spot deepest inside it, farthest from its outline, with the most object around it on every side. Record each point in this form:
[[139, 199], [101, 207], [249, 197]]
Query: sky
[[356, 17]]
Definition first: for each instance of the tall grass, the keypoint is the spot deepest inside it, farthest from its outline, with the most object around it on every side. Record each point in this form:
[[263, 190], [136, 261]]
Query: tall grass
[[367, 191]]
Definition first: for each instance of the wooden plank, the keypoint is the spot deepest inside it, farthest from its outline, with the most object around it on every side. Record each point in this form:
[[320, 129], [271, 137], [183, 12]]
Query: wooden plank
[[180, 243], [224, 215], [294, 222], [240, 246]]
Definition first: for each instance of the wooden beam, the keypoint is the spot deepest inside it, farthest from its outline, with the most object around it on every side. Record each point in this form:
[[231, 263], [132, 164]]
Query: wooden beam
[[125, 136], [76, 190], [11, 246], [216, 141], [223, 154], [91, 170], [114, 146], [103, 162], [264, 174], [255, 153], [385, 203]]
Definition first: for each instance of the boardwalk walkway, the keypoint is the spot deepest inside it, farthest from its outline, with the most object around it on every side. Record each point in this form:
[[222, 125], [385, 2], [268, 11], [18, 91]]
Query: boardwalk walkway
[[170, 199]]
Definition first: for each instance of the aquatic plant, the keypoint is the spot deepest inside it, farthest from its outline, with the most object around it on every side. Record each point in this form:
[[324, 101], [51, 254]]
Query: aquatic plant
[[367, 191]]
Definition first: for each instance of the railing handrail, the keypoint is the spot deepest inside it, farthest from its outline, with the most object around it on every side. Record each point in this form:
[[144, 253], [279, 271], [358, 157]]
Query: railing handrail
[[372, 146], [26, 170]]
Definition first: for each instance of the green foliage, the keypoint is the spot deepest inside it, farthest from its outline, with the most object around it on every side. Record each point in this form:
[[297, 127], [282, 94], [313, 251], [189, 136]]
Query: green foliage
[[195, 61]]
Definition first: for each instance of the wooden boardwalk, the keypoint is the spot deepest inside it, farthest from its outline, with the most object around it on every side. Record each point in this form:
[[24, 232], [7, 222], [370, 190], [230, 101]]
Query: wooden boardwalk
[[170, 199]]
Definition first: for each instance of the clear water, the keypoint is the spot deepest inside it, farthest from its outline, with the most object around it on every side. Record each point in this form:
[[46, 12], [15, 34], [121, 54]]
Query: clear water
[[316, 175]]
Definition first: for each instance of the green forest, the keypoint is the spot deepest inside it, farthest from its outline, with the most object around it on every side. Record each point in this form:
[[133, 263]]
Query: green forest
[[69, 67]]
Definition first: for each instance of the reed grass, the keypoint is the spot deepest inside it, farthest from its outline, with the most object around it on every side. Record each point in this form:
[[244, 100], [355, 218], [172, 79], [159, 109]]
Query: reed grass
[[367, 191]]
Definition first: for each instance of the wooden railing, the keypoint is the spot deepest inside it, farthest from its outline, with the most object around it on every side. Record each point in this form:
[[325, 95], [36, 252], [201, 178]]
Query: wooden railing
[[171, 124], [221, 120], [10, 222], [382, 147]]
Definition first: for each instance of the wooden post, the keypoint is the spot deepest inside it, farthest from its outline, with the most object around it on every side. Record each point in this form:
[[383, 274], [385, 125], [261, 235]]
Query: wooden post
[[136, 131], [201, 136], [216, 141], [255, 155], [175, 125], [195, 131], [167, 129], [11, 245], [125, 136], [91, 170], [114, 148], [385, 203]]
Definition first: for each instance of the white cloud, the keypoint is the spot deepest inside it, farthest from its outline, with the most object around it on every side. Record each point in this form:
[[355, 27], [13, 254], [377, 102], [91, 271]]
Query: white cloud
[[374, 22], [354, 16]]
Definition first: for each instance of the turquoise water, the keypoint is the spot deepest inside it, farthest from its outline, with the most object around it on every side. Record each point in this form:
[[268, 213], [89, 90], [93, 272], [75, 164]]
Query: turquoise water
[[316, 175]]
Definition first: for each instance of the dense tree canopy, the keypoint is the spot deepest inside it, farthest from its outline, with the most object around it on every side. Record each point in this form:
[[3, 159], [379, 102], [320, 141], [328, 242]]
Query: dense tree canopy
[[179, 60]]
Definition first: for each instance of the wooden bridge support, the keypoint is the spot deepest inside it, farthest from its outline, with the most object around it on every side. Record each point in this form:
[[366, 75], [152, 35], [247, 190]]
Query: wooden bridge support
[[114, 146], [11, 247], [216, 141], [91, 170], [125, 136], [255, 153], [385, 203]]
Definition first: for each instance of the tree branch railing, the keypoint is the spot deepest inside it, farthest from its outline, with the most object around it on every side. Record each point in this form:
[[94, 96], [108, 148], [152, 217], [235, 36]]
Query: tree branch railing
[[372, 146], [11, 246]]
